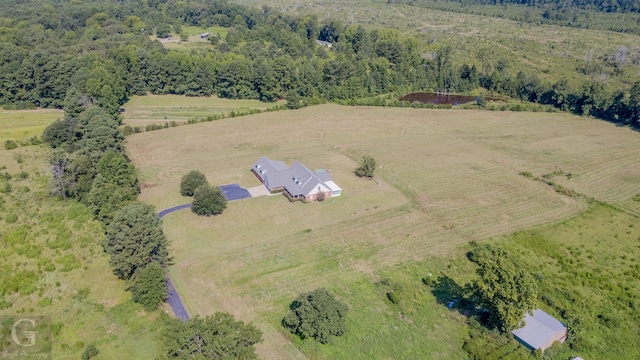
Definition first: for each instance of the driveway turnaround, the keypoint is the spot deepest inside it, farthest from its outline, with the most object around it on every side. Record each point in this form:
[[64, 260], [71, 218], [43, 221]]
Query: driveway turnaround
[[234, 192]]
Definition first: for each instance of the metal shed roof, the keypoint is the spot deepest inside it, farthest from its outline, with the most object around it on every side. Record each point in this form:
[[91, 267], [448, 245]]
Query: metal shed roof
[[538, 329]]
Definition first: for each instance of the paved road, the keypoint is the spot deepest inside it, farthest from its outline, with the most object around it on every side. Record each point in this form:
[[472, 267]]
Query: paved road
[[175, 302], [168, 211]]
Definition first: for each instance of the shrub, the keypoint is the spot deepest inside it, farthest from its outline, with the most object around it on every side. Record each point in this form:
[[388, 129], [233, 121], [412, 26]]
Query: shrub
[[56, 328], [367, 167], [316, 315], [89, 352], [393, 297], [10, 144], [11, 218], [190, 182]]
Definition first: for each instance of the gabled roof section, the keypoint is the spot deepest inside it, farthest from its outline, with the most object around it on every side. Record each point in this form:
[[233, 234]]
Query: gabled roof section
[[539, 329], [297, 179]]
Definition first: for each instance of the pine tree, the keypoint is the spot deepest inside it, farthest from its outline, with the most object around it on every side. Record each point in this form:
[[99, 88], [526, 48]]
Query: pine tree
[[134, 239], [150, 287]]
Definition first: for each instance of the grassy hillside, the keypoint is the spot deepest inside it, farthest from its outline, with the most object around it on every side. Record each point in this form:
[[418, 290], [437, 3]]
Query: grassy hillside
[[448, 177], [53, 264]]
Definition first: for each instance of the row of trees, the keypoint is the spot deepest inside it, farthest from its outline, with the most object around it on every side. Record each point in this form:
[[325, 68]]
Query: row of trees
[[88, 164]]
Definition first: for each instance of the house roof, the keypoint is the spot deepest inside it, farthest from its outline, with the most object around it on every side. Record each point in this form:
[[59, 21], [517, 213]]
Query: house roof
[[538, 329], [297, 179]]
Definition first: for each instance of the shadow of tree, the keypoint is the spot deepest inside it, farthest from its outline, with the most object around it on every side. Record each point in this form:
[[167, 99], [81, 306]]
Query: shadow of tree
[[453, 295], [446, 290]]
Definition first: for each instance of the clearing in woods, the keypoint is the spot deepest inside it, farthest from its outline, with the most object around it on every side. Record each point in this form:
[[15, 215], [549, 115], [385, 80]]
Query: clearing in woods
[[449, 177], [21, 125], [160, 109]]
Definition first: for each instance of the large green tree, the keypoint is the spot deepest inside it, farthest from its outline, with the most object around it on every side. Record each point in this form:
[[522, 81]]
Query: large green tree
[[214, 337], [505, 289], [208, 200], [367, 166], [317, 315], [134, 239], [150, 287], [191, 181]]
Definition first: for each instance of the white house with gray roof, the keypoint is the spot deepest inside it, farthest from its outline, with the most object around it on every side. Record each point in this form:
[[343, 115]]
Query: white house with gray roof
[[296, 181]]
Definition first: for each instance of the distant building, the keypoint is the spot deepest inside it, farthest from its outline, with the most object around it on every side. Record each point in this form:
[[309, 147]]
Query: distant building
[[540, 331], [204, 36], [296, 182], [324, 43]]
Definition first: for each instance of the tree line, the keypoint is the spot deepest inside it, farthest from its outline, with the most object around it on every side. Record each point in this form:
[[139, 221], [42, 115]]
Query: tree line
[[103, 55]]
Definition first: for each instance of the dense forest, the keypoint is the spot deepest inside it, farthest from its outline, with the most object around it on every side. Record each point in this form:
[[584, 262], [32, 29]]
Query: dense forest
[[74, 55]]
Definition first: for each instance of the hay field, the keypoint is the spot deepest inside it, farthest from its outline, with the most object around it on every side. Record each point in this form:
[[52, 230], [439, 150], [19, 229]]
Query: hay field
[[160, 109], [20, 125], [449, 177]]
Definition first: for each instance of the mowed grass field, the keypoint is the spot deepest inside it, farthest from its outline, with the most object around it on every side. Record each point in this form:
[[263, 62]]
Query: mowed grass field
[[448, 177], [160, 109], [20, 125]]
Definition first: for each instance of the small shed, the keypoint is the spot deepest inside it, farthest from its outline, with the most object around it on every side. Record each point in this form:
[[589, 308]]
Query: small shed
[[205, 35], [540, 331]]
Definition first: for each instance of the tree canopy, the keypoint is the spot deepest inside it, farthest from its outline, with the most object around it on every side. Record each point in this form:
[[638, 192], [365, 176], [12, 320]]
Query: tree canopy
[[208, 200], [317, 315], [134, 239], [506, 290], [150, 287], [367, 166], [191, 181], [214, 337]]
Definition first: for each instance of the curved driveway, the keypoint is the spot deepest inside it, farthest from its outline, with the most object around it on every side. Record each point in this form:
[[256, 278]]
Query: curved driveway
[[173, 298], [231, 192]]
